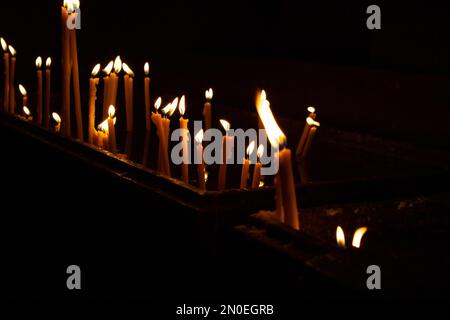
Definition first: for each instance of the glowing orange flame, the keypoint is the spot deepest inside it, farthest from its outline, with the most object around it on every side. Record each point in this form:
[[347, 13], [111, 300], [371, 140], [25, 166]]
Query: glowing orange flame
[[118, 65], [340, 237], [225, 124], [22, 90], [147, 68], [199, 137], [170, 108], [209, 94], [127, 70], [109, 68], [311, 122], [260, 151], [56, 117], [251, 148], [311, 110], [111, 111], [12, 50], [182, 106], [357, 237], [96, 70], [274, 133], [158, 103], [48, 62], [38, 62], [4, 44]]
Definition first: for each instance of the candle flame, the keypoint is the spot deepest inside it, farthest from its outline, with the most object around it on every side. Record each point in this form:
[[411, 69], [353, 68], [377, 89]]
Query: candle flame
[[206, 176], [311, 122], [358, 237], [147, 68], [274, 133], [22, 90], [38, 62], [182, 106], [225, 124], [48, 62], [260, 151], [26, 111], [261, 184], [103, 127], [311, 110], [96, 70], [117, 65], [12, 50], [4, 44], [109, 68], [209, 94], [111, 111], [158, 103], [199, 137], [76, 4], [340, 237], [127, 69], [251, 148], [170, 108], [56, 117]]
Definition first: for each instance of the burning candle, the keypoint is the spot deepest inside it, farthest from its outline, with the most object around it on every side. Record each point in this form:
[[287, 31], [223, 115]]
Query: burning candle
[[39, 91], [310, 123], [115, 81], [27, 113], [112, 129], [66, 66], [57, 120], [357, 237], [93, 82], [199, 156], [227, 145], [147, 96], [6, 79], [168, 111], [107, 87], [312, 112], [24, 94], [48, 76], [246, 165], [207, 109], [157, 121], [128, 83], [12, 73], [311, 135], [103, 134], [285, 177], [257, 170], [185, 139]]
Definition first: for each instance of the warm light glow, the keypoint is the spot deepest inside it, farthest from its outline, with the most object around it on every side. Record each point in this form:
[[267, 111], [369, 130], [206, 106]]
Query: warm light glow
[[158, 103], [251, 148], [170, 108], [22, 90], [127, 70], [260, 151], [56, 117], [38, 62], [96, 70], [206, 176], [4, 44], [12, 50], [111, 111], [68, 4], [209, 94], [225, 124], [311, 122], [274, 133], [311, 110], [261, 184], [340, 237], [182, 106], [76, 4], [103, 127], [48, 62], [109, 68], [118, 65], [199, 137], [147, 68], [26, 111], [358, 237]]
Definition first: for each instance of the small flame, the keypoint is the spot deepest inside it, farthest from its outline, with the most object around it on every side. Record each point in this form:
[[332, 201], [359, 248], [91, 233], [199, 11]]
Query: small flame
[[311, 122], [358, 237], [109, 68], [48, 62], [251, 148], [118, 65], [69, 5], [111, 111], [12, 50], [103, 127], [311, 110], [209, 94], [340, 237], [4, 44], [182, 106], [38, 62], [199, 137], [170, 108], [225, 124], [158, 103], [56, 117], [26, 111], [128, 70], [261, 184], [147, 68], [206, 176], [22, 90], [274, 133], [96, 70], [260, 151], [76, 4]]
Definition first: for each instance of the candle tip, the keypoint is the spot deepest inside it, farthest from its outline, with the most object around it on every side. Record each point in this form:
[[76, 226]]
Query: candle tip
[[4, 44], [225, 124], [182, 106], [38, 62], [127, 69], [209, 94], [48, 63], [147, 68], [118, 65], [12, 50], [158, 103], [22, 90], [56, 117]]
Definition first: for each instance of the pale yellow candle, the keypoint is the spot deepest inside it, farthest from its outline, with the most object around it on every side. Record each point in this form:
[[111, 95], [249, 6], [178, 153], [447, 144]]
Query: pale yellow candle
[[147, 96], [39, 103], [129, 104], [227, 144], [48, 76], [115, 81], [93, 82], [107, 87], [12, 88], [245, 173], [207, 112], [184, 139], [6, 71]]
